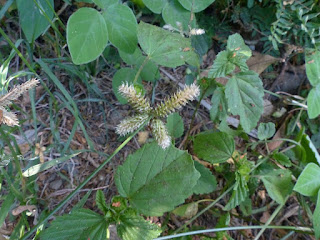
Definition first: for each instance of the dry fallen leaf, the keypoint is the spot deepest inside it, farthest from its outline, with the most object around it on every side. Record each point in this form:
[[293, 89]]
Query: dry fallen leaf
[[265, 217], [142, 137], [259, 62], [20, 209], [276, 142]]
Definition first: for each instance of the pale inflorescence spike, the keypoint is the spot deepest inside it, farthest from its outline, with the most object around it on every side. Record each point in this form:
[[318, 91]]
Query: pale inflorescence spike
[[17, 91], [130, 124], [160, 133], [179, 99], [137, 101], [8, 118]]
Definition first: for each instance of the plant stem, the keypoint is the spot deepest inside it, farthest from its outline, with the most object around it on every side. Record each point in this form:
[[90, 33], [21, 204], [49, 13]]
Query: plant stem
[[274, 214], [74, 192], [205, 209], [193, 118], [140, 69], [304, 229]]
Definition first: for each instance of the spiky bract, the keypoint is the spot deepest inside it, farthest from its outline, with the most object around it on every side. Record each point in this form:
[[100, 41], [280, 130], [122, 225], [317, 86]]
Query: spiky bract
[[176, 101], [160, 133], [7, 117], [131, 124], [136, 100]]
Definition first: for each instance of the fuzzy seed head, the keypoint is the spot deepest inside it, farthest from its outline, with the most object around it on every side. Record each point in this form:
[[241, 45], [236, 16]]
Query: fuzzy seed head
[[136, 100], [179, 99], [131, 124], [8, 118], [17, 91], [160, 133]]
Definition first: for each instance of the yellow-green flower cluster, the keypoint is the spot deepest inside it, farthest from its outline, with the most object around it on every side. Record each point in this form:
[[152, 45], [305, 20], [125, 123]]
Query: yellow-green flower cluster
[[153, 115]]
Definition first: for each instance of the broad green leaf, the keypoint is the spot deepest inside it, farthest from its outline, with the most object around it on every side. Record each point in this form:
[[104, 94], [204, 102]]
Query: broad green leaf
[[175, 15], [308, 183], [150, 71], [186, 211], [87, 35], [313, 67], [311, 153], [195, 5], [175, 125], [166, 48], [101, 202], [236, 54], [133, 227], [201, 43], [316, 218], [266, 130], [278, 184], [216, 147], [104, 4], [156, 180], [207, 182], [79, 225], [122, 76], [239, 194], [313, 102], [122, 27], [155, 6], [238, 47], [132, 58], [244, 93], [221, 66], [32, 19], [219, 105], [282, 159]]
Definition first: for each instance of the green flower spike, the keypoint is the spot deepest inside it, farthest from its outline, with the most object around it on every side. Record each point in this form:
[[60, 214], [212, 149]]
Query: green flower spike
[[179, 99], [136, 100], [160, 133], [146, 112]]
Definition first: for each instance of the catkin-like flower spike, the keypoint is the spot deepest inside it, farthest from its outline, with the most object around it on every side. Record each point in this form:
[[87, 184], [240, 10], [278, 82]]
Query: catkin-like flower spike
[[160, 133], [179, 99], [17, 91], [137, 101], [131, 124], [8, 118]]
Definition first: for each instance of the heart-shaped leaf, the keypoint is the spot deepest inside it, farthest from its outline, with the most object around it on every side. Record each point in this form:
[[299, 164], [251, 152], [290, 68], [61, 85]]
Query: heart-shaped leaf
[[78, 225], [122, 27], [155, 6], [216, 147], [244, 93], [175, 15], [195, 5], [87, 35], [278, 184], [156, 180], [131, 226], [308, 183], [266, 130], [166, 48]]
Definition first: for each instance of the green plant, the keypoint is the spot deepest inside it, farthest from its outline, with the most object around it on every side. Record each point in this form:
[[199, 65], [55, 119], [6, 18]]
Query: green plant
[[296, 20], [157, 179]]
